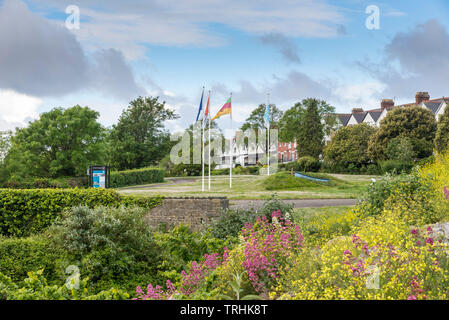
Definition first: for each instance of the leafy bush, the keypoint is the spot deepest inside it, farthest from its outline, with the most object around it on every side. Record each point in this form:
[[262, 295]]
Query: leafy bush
[[382, 260], [21, 255], [112, 246], [252, 170], [309, 164], [45, 183], [231, 221], [180, 245], [136, 177], [285, 181], [25, 212], [396, 166], [322, 226], [35, 287]]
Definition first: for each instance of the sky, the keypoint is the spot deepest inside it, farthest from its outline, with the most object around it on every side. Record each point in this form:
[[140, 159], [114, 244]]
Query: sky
[[292, 49]]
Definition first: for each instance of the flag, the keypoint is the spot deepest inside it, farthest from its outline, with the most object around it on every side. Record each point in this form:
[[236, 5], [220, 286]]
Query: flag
[[206, 112], [226, 109], [267, 115], [201, 106]]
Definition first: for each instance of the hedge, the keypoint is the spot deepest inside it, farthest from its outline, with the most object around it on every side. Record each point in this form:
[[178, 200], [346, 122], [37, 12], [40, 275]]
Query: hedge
[[37, 183], [136, 177], [21, 255], [25, 212]]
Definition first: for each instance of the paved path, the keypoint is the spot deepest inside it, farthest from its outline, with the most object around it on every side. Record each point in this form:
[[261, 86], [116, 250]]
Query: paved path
[[311, 203]]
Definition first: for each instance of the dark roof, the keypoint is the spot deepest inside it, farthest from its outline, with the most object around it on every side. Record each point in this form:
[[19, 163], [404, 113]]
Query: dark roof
[[359, 116], [375, 114], [344, 118], [433, 106]]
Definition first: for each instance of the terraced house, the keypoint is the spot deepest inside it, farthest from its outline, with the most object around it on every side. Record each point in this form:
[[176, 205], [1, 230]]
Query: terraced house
[[375, 116]]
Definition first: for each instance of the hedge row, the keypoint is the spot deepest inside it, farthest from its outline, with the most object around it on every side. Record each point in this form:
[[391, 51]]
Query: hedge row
[[136, 177], [37, 183], [25, 212]]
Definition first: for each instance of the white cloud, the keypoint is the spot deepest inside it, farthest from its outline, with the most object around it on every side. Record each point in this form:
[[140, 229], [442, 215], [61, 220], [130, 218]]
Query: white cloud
[[127, 25], [365, 95], [17, 109]]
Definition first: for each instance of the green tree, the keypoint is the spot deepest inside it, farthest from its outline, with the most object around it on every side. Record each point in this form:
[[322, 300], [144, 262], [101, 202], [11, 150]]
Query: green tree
[[293, 118], [349, 145], [401, 148], [414, 122], [442, 135], [256, 119], [140, 139], [310, 135], [60, 143]]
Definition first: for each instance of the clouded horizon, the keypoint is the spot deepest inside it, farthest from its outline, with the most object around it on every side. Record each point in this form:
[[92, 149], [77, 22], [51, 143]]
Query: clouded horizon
[[171, 49]]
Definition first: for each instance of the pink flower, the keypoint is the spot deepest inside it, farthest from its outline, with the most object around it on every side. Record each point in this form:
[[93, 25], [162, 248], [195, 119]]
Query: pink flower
[[411, 297]]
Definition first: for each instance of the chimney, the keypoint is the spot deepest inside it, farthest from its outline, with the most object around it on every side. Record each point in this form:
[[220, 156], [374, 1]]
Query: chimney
[[356, 110], [386, 103], [422, 96]]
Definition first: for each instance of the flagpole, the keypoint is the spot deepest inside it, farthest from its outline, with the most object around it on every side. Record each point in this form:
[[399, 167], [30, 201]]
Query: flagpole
[[202, 151], [209, 139], [231, 150], [268, 105]]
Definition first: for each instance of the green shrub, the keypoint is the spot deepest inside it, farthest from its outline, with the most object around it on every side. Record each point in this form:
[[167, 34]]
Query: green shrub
[[252, 170], [136, 176], [180, 245], [112, 246], [35, 287], [25, 212], [21, 255], [309, 164], [46, 183], [231, 221], [396, 166]]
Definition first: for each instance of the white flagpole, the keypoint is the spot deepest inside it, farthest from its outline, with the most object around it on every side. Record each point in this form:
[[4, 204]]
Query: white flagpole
[[202, 151], [231, 151], [209, 139], [268, 105]]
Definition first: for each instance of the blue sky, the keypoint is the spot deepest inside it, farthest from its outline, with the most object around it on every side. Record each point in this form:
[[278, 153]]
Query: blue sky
[[292, 49]]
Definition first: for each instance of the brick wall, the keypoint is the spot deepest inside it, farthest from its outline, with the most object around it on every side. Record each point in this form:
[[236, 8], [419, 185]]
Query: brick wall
[[196, 212]]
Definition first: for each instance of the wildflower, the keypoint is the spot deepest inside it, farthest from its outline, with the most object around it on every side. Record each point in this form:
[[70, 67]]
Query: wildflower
[[411, 297]]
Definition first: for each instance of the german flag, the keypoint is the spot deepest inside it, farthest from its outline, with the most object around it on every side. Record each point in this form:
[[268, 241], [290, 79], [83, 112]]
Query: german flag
[[226, 109]]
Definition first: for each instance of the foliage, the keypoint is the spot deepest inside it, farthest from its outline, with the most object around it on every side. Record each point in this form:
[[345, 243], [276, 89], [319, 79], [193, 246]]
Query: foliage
[[231, 222], [414, 122], [25, 212], [309, 164], [5, 144], [62, 142], [382, 260], [401, 149], [180, 245], [135, 177], [256, 119], [139, 139], [35, 287], [395, 166], [322, 226], [294, 118], [110, 245], [442, 134], [349, 145], [310, 134], [45, 183], [21, 255]]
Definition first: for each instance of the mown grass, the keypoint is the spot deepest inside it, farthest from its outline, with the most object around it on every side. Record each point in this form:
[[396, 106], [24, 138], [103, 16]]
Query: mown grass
[[252, 187]]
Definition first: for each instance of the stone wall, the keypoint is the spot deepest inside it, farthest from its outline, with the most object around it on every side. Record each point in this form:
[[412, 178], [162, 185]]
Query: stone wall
[[195, 212]]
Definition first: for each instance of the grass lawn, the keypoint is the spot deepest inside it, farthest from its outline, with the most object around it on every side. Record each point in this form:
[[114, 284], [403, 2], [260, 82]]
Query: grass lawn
[[255, 187]]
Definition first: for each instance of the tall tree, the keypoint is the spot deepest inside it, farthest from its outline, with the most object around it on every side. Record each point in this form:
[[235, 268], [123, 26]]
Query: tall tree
[[349, 145], [139, 138], [442, 135], [60, 143], [310, 136], [293, 118], [256, 119], [414, 122]]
